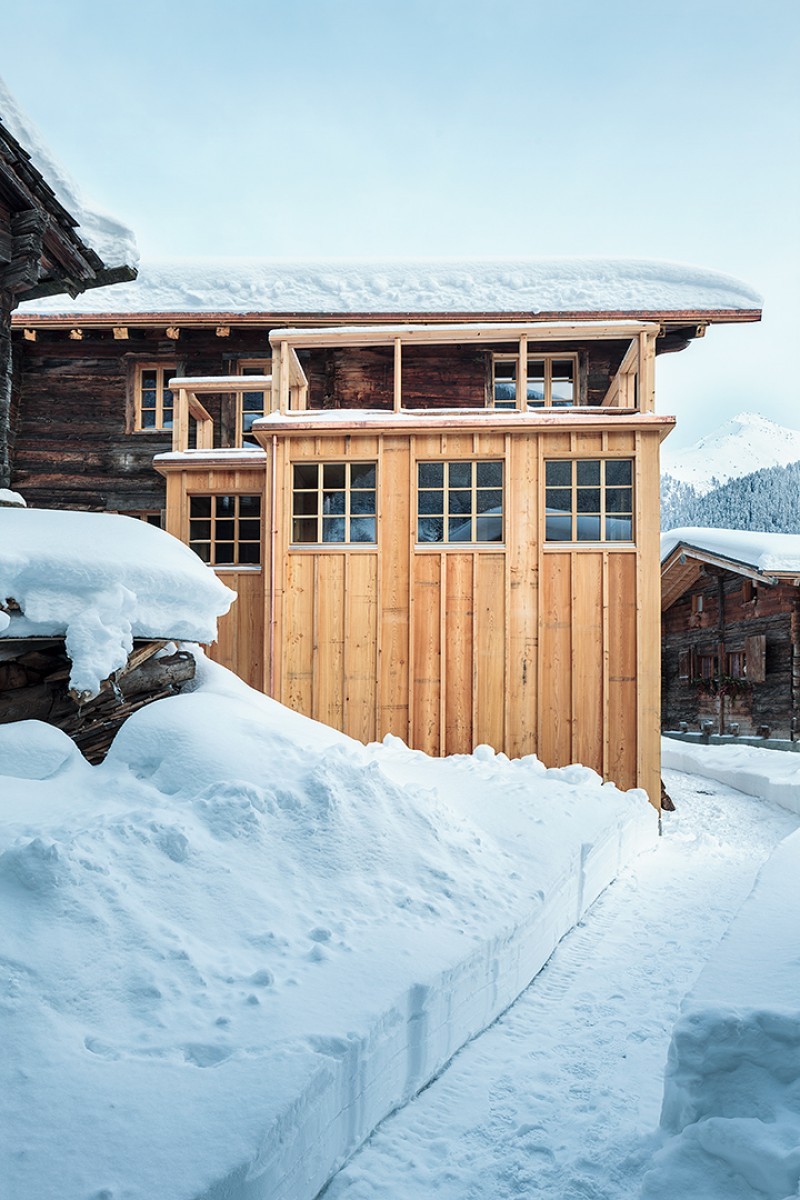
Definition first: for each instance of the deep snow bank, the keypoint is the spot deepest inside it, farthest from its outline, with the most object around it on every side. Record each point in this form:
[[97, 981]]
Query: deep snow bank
[[771, 774], [102, 580], [732, 1084], [242, 940]]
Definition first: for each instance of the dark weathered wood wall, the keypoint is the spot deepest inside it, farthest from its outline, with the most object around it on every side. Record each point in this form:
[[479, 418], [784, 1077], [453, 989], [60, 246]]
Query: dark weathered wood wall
[[74, 441], [73, 437], [774, 614]]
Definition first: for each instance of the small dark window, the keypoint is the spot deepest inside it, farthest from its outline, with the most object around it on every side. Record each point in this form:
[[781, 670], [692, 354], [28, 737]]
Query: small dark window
[[225, 530]]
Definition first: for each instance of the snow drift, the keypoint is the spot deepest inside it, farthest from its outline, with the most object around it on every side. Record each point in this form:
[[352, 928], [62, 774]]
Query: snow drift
[[243, 939], [102, 580], [771, 774]]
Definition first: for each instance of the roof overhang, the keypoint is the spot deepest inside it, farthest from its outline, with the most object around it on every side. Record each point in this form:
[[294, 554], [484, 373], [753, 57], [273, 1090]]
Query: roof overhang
[[684, 564], [669, 321]]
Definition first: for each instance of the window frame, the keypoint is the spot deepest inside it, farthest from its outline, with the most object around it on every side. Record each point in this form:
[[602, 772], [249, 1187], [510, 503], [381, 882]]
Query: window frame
[[576, 542], [472, 516], [164, 371], [259, 366], [548, 358], [319, 516], [237, 541]]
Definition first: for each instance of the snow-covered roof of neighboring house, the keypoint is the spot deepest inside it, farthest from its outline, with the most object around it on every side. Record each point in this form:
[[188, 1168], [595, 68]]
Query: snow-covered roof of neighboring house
[[546, 286], [111, 240], [768, 553], [101, 580]]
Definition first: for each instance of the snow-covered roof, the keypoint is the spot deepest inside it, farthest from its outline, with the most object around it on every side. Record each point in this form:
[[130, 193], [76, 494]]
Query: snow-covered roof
[[547, 285], [113, 241], [772, 553], [102, 580]]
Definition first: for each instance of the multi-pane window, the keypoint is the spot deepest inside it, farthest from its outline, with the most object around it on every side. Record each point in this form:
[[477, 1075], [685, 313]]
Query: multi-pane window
[[589, 500], [151, 516], [154, 403], [737, 664], [333, 503], [226, 530], [460, 502], [252, 405], [551, 382]]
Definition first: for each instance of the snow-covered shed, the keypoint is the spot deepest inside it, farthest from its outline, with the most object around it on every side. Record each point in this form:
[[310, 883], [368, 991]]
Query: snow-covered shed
[[731, 631], [90, 606]]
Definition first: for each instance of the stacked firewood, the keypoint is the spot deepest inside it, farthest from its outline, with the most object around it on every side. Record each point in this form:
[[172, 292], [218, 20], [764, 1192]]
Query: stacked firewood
[[34, 685]]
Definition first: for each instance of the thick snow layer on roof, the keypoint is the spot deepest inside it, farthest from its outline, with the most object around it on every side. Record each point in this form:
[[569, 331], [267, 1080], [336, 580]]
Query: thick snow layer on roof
[[108, 237], [765, 551], [573, 285], [237, 944], [102, 580]]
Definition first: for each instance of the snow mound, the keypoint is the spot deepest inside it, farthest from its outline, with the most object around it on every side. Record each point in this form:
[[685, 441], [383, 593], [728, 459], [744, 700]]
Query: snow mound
[[731, 1089], [9, 499], [101, 580], [242, 940], [766, 552], [773, 775], [108, 237], [746, 443], [573, 285]]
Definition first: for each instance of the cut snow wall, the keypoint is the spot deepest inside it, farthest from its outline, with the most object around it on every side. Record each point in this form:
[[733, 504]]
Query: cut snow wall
[[732, 1082], [769, 774], [365, 1078]]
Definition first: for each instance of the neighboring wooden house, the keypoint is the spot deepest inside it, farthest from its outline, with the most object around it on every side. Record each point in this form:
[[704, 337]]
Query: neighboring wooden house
[[44, 248], [731, 631], [434, 487]]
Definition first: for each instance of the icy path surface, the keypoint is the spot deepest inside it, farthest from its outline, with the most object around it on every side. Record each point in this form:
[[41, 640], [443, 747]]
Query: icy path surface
[[560, 1099]]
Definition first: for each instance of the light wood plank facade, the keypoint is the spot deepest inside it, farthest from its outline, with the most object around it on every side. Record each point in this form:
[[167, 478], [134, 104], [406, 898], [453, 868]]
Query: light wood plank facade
[[530, 645]]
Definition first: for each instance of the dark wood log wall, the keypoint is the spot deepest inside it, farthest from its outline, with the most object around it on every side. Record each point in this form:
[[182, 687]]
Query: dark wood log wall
[[774, 613], [74, 440]]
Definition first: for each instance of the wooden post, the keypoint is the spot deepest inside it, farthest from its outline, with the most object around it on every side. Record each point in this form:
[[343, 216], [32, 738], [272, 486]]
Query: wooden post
[[5, 392], [180, 431], [283, 394], [522, 373], [398, 374]]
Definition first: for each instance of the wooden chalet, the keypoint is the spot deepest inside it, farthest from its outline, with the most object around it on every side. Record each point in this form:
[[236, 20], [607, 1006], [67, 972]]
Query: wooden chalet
[[731, 632], [441, 517], [42, 253]]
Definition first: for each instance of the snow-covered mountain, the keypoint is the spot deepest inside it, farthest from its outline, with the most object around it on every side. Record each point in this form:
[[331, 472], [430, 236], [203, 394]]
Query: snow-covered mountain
[[746, 443]]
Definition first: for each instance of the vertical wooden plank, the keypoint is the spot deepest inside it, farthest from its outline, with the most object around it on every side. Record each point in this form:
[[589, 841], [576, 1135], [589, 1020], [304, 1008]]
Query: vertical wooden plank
[[587, 660], [361, 603], [330, 640], [443, 649], [648, 595], [426, 678], [298, 649], [489, 648], [458, 687], [396, 519], [622, 685], [522, 541], [555, 659]]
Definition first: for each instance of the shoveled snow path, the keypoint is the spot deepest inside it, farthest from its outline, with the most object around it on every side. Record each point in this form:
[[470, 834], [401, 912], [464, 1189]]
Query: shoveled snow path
[[560, 1099]]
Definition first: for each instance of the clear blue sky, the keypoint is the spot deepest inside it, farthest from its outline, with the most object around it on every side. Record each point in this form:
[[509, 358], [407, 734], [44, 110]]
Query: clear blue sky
[[381, 128]]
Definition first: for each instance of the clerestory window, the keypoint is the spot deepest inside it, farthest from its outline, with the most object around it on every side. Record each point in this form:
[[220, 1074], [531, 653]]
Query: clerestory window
[[460, 502], [334, 503], [589, 500]]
